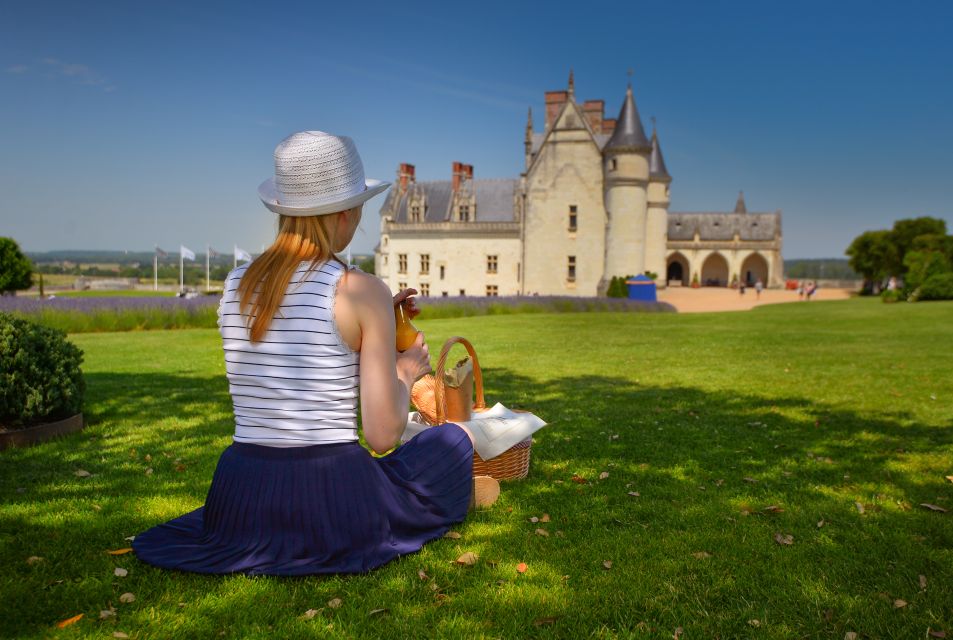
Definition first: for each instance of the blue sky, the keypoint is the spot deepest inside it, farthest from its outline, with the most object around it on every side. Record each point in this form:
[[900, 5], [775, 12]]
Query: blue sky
[[129, 124]]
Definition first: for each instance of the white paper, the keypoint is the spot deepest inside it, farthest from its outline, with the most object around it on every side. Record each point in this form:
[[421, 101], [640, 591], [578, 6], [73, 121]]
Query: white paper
[[494, 430]]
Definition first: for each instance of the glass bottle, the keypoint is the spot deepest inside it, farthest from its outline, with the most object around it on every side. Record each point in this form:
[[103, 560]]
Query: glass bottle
[[406, 331]]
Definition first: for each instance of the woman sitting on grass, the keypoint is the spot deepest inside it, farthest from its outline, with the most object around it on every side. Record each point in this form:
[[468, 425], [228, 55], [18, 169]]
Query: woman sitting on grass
[[305, 339]]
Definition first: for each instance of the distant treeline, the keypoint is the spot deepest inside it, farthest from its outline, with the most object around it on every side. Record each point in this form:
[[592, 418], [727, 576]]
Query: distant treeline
[[820, 268], [133, 264]]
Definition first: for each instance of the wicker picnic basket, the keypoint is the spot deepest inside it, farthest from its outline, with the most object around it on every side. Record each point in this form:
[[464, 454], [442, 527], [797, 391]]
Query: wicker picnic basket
[[512, 464]]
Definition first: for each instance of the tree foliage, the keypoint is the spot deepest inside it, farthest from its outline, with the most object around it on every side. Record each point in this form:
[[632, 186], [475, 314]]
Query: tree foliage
[[914, 249], [872, 255], [16, 270]]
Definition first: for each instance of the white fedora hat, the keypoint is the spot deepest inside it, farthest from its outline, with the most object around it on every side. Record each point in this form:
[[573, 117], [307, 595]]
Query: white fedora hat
[[316, 173]]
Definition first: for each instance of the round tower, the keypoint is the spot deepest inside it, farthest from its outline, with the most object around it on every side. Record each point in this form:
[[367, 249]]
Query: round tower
[[626, 179], [656, 228]]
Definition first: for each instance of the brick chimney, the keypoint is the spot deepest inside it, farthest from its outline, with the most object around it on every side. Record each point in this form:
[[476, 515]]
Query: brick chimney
[[468, 170], [594, 110], [608, 125], [457, 175], [405, 175], [554, 102]]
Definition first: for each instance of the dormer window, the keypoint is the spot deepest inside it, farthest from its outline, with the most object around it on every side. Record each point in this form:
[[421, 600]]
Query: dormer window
[[464, 213], [415, 213]]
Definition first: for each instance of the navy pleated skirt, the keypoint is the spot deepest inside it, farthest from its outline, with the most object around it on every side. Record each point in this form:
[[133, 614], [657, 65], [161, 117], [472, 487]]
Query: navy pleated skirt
[[319, 509]]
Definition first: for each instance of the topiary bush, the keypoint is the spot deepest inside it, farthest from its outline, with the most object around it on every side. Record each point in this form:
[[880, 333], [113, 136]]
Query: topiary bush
[[937, 287], [40, 378]]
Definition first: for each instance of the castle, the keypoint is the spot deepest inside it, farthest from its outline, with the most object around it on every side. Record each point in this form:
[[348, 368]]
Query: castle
[[592, 203]]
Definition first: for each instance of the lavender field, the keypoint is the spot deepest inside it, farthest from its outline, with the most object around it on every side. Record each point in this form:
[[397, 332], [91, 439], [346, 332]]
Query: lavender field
[[124, 313]]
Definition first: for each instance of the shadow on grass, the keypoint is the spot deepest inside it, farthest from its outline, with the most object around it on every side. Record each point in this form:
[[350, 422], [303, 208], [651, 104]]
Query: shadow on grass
[[705, 467]]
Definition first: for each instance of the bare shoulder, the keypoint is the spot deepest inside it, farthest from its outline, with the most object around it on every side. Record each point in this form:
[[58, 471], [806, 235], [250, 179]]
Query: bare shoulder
[[365, 288]]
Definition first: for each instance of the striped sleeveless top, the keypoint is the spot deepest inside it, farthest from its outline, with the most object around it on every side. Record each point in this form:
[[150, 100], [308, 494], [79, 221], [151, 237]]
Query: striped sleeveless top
[[299, 385]]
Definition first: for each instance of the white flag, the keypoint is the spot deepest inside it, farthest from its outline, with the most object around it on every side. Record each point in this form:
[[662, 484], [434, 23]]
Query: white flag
[[241, 254], [186, 253]]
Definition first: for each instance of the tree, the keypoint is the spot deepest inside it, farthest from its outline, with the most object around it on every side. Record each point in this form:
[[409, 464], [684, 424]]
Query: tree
[[367, 266], [16, 270], [920, 265], [874, 256], [905, 233]]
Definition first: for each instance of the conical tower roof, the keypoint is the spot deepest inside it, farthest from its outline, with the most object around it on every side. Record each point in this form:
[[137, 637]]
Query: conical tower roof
[[740, 206], [657, 168], [628, 133]]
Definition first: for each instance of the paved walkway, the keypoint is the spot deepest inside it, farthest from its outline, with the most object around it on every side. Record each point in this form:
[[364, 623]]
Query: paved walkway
[[688, 300]]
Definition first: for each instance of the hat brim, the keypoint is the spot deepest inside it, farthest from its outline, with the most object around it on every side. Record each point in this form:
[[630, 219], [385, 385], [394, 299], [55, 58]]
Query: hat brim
[[269, 197]]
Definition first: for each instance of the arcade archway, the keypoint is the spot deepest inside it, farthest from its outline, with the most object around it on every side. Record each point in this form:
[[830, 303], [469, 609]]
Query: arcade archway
[[754, 268], [715, 271], [676, 270]]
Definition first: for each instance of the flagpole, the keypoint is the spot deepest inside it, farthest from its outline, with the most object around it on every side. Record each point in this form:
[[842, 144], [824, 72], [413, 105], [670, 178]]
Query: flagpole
[[155, 272], [208, 282], [181, 272]]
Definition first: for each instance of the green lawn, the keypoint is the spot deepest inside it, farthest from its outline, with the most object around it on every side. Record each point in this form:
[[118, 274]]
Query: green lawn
[[812, 409]]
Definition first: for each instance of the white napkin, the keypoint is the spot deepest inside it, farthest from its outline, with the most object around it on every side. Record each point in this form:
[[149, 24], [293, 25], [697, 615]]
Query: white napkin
[[494, 430]]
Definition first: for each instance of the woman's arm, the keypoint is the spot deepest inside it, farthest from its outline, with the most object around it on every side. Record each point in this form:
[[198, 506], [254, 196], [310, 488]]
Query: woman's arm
[[386, 376]]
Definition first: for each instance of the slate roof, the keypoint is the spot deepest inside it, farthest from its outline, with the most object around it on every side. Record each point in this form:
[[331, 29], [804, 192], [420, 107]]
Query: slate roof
[[494, 200], [628, 133], [723, 226], [656, 161]]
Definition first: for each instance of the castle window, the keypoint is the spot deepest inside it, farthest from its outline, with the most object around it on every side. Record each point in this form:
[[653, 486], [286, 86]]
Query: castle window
[[571, 269], [385, 259], [415, 213], [443, 294], [401, 285], [492, 290], [401, 263], [424, 289], [442, 271], [572, 217], [424, 263], [491, 264], [464, 213], [463, 292], [613, 164]]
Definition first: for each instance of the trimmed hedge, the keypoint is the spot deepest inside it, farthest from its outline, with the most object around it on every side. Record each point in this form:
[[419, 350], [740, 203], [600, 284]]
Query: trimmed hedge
[[40, 376]]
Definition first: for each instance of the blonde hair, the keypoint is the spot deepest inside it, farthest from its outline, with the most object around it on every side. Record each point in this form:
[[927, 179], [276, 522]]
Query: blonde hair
[[262, 287]]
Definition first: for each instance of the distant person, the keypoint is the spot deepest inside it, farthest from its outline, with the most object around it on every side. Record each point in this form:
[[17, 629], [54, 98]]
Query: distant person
[[758, 288], [307, 342], [741, 289], [892, 284], [800, 290], [813, 291]]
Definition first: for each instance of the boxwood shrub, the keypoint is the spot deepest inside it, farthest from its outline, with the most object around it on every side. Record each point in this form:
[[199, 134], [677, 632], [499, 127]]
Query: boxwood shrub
[[40, 378]]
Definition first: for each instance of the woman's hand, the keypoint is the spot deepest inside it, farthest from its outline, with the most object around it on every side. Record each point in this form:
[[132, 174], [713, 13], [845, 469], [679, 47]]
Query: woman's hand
[[410, 305], [414, 363]]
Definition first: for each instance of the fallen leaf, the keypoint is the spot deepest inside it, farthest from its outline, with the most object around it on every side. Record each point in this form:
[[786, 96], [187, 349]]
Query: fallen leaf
[[923, 581], [950, 478], [65, 623], [96, 507], [754, 623], [422, 574], [33, 560], [820, 523], [935, 634], [453, 535], [786, 539], [120, 572], [607, 564], [534, 519], [521, 567], [932, 507], [149, 471], [634, 494], [678, 633], [107, 613], [603, 475], [542, 532], [130, 538], [719, 482], [180, 467], [772, 509], [335, 603], [751, 480], [310, 613], [578, 479], [378, 612], [127, 597], [899, 604], [850, 635], [745, 512], [560, 534], [468, 559], [148, 457], [701, 555], [81, 473], [120, 634], [119, 552], [545, 518], [860, 507], [540, 622]]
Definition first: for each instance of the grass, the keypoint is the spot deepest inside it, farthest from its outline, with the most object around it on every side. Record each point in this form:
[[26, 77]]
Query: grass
[[812, 408]]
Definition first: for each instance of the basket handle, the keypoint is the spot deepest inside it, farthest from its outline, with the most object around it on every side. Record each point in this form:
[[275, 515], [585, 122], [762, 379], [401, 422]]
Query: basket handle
[[480, 403]]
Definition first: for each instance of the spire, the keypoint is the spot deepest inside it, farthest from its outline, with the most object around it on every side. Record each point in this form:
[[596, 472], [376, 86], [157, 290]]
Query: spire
[[657, 168], [529, 124], [572, 84], [628, 134], [740, 204]]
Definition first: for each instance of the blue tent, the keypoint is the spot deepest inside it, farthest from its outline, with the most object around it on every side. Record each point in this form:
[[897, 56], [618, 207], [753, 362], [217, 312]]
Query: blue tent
[[641, 287]]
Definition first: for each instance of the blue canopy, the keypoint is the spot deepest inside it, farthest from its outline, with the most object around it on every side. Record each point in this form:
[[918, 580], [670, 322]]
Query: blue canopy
[[641, 287]]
